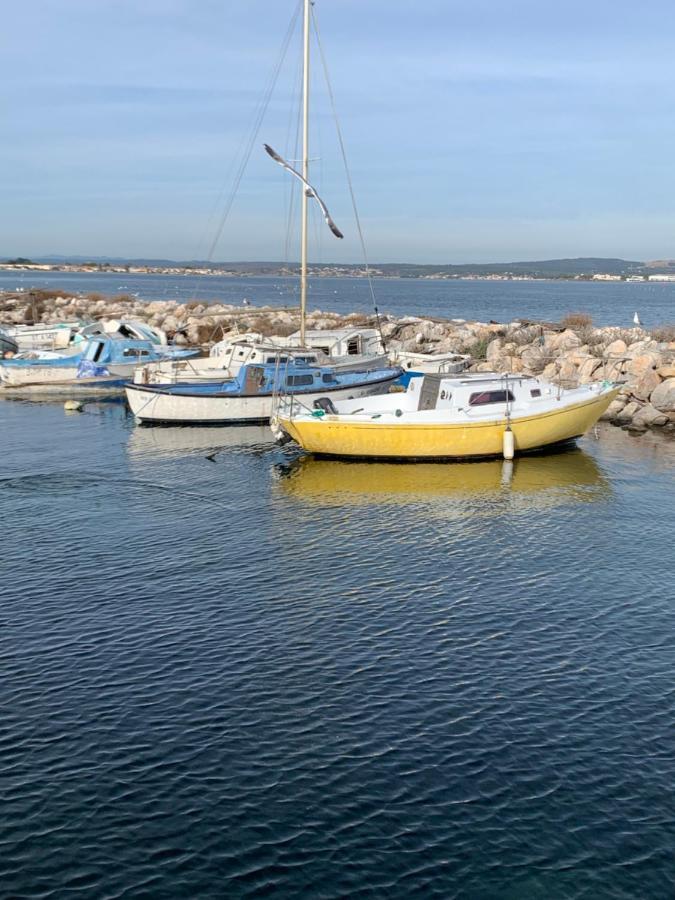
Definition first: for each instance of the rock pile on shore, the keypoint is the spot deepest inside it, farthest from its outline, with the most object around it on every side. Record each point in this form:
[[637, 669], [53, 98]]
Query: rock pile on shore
[[569, 353]]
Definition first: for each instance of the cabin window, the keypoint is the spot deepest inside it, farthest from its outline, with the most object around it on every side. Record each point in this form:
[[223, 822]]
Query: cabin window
[[535, 392], [327, 378], [276, 359], [483, 398], [99, 351], [299, 380], [353, 346], [131, 352]]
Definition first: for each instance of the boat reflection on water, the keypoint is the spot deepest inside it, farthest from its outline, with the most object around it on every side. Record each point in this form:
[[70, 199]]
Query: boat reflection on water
[[537, 480], [181, 441]]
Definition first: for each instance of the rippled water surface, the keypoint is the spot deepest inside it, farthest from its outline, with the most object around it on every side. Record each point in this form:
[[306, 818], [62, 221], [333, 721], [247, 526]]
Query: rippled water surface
[[258, 674]]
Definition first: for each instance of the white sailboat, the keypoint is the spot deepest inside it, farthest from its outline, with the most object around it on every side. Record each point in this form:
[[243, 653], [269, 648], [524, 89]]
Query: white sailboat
[[248, 394]]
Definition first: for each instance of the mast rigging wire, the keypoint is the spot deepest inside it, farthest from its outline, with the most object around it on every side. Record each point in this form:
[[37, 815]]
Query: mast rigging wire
[[347, 172], [257, 122]]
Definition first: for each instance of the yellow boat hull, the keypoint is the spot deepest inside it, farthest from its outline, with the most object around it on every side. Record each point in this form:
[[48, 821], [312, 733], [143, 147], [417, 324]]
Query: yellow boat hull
[[334, 435]]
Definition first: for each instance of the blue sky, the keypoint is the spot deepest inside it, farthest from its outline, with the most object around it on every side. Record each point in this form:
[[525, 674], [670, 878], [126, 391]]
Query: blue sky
[[475, 130]]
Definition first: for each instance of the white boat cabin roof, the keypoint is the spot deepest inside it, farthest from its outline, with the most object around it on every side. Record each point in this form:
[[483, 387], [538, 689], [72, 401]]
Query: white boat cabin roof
[[340, 341], [249, 350], [481, 393]]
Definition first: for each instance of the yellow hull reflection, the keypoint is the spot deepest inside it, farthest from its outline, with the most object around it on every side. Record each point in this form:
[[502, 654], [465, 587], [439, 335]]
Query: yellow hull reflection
[[557, 477], [337, 436]]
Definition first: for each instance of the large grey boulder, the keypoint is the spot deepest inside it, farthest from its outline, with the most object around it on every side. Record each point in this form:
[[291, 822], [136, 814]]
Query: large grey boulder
[[649, 417], [613, 409], [616, 348], [566, 340], [493, 352], [642, 362], [663, 397], [628, 412], [643, 387], [589, 370]]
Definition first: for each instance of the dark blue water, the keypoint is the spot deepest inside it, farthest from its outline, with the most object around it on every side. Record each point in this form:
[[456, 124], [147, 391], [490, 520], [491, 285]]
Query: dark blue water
[[501, 301], [265, 675]]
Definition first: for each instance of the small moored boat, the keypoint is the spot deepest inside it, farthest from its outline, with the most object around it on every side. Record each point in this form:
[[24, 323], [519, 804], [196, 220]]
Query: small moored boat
[[103, 363], [250, 395], [444, 417]]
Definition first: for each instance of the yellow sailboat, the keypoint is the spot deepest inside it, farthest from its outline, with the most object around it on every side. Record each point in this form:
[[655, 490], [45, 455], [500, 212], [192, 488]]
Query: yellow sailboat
[[441, 417]]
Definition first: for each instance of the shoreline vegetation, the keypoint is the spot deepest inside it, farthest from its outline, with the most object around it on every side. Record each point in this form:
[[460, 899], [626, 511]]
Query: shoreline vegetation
[[582, 269], [570, 352]]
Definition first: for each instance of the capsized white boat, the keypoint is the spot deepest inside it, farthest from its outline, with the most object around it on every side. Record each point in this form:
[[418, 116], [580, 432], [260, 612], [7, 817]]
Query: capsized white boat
[[441, 417], [68, 337], [54, 336]]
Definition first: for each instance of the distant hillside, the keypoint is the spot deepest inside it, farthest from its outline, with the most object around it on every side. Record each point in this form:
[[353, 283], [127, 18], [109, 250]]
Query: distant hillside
[[547, 268], [542, 268], [662, 265]]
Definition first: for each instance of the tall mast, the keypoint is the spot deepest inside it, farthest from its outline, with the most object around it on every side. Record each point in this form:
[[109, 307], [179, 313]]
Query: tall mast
[[305, 171]]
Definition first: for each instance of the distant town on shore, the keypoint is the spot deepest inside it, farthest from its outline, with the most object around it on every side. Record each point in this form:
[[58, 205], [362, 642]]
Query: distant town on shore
[[578, 269]]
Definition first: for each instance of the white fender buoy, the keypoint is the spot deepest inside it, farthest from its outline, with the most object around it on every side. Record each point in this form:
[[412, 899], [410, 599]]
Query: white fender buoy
[[73, 406], [508, 445]]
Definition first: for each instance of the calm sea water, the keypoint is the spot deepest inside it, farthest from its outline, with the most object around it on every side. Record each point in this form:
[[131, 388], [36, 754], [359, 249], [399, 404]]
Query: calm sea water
[[501, 301], [267, 675]]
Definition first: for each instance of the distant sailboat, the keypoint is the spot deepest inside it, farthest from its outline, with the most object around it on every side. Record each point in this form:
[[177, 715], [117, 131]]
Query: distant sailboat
[[636, 319]]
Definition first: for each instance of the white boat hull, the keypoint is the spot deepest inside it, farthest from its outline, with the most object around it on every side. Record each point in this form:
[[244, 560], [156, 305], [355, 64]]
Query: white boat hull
[[60, 379], [157, 407]]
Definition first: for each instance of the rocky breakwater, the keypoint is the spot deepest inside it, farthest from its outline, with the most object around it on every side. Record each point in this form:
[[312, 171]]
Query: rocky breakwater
[[570, 353], [191, 324], [567, 353]]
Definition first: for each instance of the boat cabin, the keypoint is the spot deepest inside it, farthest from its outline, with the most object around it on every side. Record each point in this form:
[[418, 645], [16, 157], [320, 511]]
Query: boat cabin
[[291, 379], [294, 378], [335, 342], [107, 350], [477, 394], [234, 354]]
